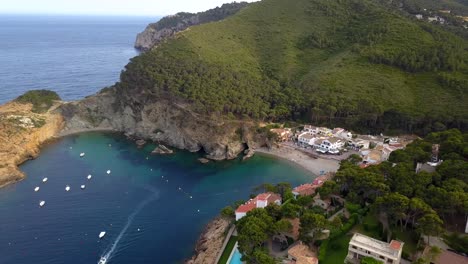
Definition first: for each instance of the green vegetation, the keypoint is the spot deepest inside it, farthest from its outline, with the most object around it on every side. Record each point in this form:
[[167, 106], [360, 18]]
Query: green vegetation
[[415, 203], [227, 250], [360, 64], [457, 242], [369, 260], [41, 100], [338, 249]]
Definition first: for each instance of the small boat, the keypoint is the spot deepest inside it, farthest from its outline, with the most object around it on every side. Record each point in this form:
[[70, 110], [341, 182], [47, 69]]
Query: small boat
[[45, 179], [41, 203], [67, 188], [102, 234], [36, 189], [83, 187], [89, 177], [103, 260], [108, 171], [82, 154]]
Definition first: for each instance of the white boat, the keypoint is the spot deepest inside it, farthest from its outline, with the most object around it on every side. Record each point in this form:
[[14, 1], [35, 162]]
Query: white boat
[[82, 154], [67, 188], [102, 234], [45, 179], [103, 260], [108, 171], [36, 189], [89, 177], [41, 203], [83, 187]]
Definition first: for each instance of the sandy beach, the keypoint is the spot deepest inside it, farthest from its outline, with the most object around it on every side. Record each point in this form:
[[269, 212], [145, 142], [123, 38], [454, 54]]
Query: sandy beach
[[301, 159]]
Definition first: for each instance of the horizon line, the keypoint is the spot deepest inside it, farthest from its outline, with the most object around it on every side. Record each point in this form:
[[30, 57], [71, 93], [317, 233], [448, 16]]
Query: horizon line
[[78, 14]]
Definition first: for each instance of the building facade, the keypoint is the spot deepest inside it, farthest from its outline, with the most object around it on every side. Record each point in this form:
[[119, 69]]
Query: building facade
[[362, 246]]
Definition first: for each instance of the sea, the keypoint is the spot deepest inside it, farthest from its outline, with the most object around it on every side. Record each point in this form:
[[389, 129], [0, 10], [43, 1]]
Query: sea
[[152, 208]]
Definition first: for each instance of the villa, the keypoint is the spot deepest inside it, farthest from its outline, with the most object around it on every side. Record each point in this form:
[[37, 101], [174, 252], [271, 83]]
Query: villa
[[260, 201], [332, 143], [304, 190], [306, 138], [363, 246]]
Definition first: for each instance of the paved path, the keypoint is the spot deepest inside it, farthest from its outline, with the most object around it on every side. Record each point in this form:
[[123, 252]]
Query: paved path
[[226, 240]]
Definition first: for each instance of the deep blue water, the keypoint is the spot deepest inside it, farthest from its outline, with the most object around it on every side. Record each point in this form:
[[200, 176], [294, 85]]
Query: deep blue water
[[75, 56], [66, 229]]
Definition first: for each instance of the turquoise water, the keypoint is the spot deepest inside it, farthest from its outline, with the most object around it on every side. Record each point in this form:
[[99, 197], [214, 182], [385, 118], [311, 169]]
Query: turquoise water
[[236, 257], [148, 219]]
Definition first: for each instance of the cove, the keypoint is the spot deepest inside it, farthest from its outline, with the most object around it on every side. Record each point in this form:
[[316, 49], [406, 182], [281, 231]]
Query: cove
[[141, 197]]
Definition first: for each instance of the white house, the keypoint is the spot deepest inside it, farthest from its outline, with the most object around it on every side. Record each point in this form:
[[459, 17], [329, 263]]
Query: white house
[[332, 143], [306, 138], [325, 131], [310, 129], [362, 246], [260, 201]]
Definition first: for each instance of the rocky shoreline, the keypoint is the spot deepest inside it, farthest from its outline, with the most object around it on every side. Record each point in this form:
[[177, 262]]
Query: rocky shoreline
[[210, 242], [22, 132]]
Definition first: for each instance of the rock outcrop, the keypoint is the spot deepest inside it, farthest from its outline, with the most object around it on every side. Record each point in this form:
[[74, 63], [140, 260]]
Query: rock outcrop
[[162, 150], [210, 242], [168, 26], [139, 113], [21, 134]]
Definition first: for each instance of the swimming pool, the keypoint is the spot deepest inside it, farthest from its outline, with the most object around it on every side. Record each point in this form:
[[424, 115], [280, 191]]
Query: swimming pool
[[236, 257]]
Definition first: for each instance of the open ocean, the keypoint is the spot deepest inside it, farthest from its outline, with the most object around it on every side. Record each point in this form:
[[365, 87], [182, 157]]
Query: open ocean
[[73, 55], [153, 208]]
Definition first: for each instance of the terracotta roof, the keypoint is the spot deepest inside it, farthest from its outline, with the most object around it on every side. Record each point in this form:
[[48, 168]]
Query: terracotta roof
[[447, 257], [307, 260], [319, 180], [396, 245], [305, 189], [269, 197], [300, 250], [294, 233], [248, 206]]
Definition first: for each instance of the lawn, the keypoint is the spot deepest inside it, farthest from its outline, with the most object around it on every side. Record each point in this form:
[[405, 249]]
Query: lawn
[[227, 251], [370, 226], [337, 250], [409, 237]]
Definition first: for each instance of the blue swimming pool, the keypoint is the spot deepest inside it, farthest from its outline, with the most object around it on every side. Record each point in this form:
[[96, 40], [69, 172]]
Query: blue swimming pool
[[236, 257]]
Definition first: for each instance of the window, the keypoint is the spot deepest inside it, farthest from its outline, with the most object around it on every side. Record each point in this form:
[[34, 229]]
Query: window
[[354, 247]]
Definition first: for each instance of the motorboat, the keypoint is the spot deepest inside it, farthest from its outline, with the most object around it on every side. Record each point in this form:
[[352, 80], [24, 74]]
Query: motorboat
[[102, 234], [36, 189], [82, 154], [89, 177], [108, 171], [45, 179], [103, 260], [41, 203], [83, 187], [67, 188]]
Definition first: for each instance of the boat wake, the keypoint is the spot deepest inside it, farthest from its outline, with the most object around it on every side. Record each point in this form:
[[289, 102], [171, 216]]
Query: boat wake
[[109, 253]]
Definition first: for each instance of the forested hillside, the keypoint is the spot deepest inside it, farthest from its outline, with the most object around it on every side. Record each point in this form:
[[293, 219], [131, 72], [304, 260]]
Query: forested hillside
[[356, 63]]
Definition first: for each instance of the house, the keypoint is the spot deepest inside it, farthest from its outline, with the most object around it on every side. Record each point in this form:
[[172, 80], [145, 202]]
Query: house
[[319, 180], [260, 201], [419, 16], [301, 254], [306, 138], [325, 131], [363, 246], [444, 257], [282, 133], [332, 143], [371, 156], [304, 190], [310, 129], [359, 143]]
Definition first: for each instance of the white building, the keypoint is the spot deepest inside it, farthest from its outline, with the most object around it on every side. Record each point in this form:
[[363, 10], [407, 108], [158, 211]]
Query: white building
[[363, 246], [306, 138], [332, 143], [260, 201], [310, 129]]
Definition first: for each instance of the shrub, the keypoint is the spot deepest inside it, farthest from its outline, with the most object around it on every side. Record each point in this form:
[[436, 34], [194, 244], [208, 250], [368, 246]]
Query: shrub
[[41, 100]]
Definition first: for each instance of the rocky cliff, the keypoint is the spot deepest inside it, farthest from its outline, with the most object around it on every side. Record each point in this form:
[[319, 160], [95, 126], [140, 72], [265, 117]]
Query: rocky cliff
[[21, 134], [155, 33], [138, 113], [210, 243]]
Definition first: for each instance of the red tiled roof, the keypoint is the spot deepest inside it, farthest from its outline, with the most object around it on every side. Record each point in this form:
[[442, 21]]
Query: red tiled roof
[[319, 180], [269, 197], [248, 206], [305, 189], [447, 257], [396, 245]]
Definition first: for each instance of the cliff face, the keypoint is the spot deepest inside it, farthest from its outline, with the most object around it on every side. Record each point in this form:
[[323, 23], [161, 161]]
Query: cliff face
[[155, 33], [21, 134], [141, 114], [210, 242]]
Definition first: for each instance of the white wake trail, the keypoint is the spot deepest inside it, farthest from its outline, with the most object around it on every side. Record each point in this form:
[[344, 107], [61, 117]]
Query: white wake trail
[[152, 197]]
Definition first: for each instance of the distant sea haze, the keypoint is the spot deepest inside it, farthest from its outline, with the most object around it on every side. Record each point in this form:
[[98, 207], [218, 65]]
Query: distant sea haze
[[75, 56]]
